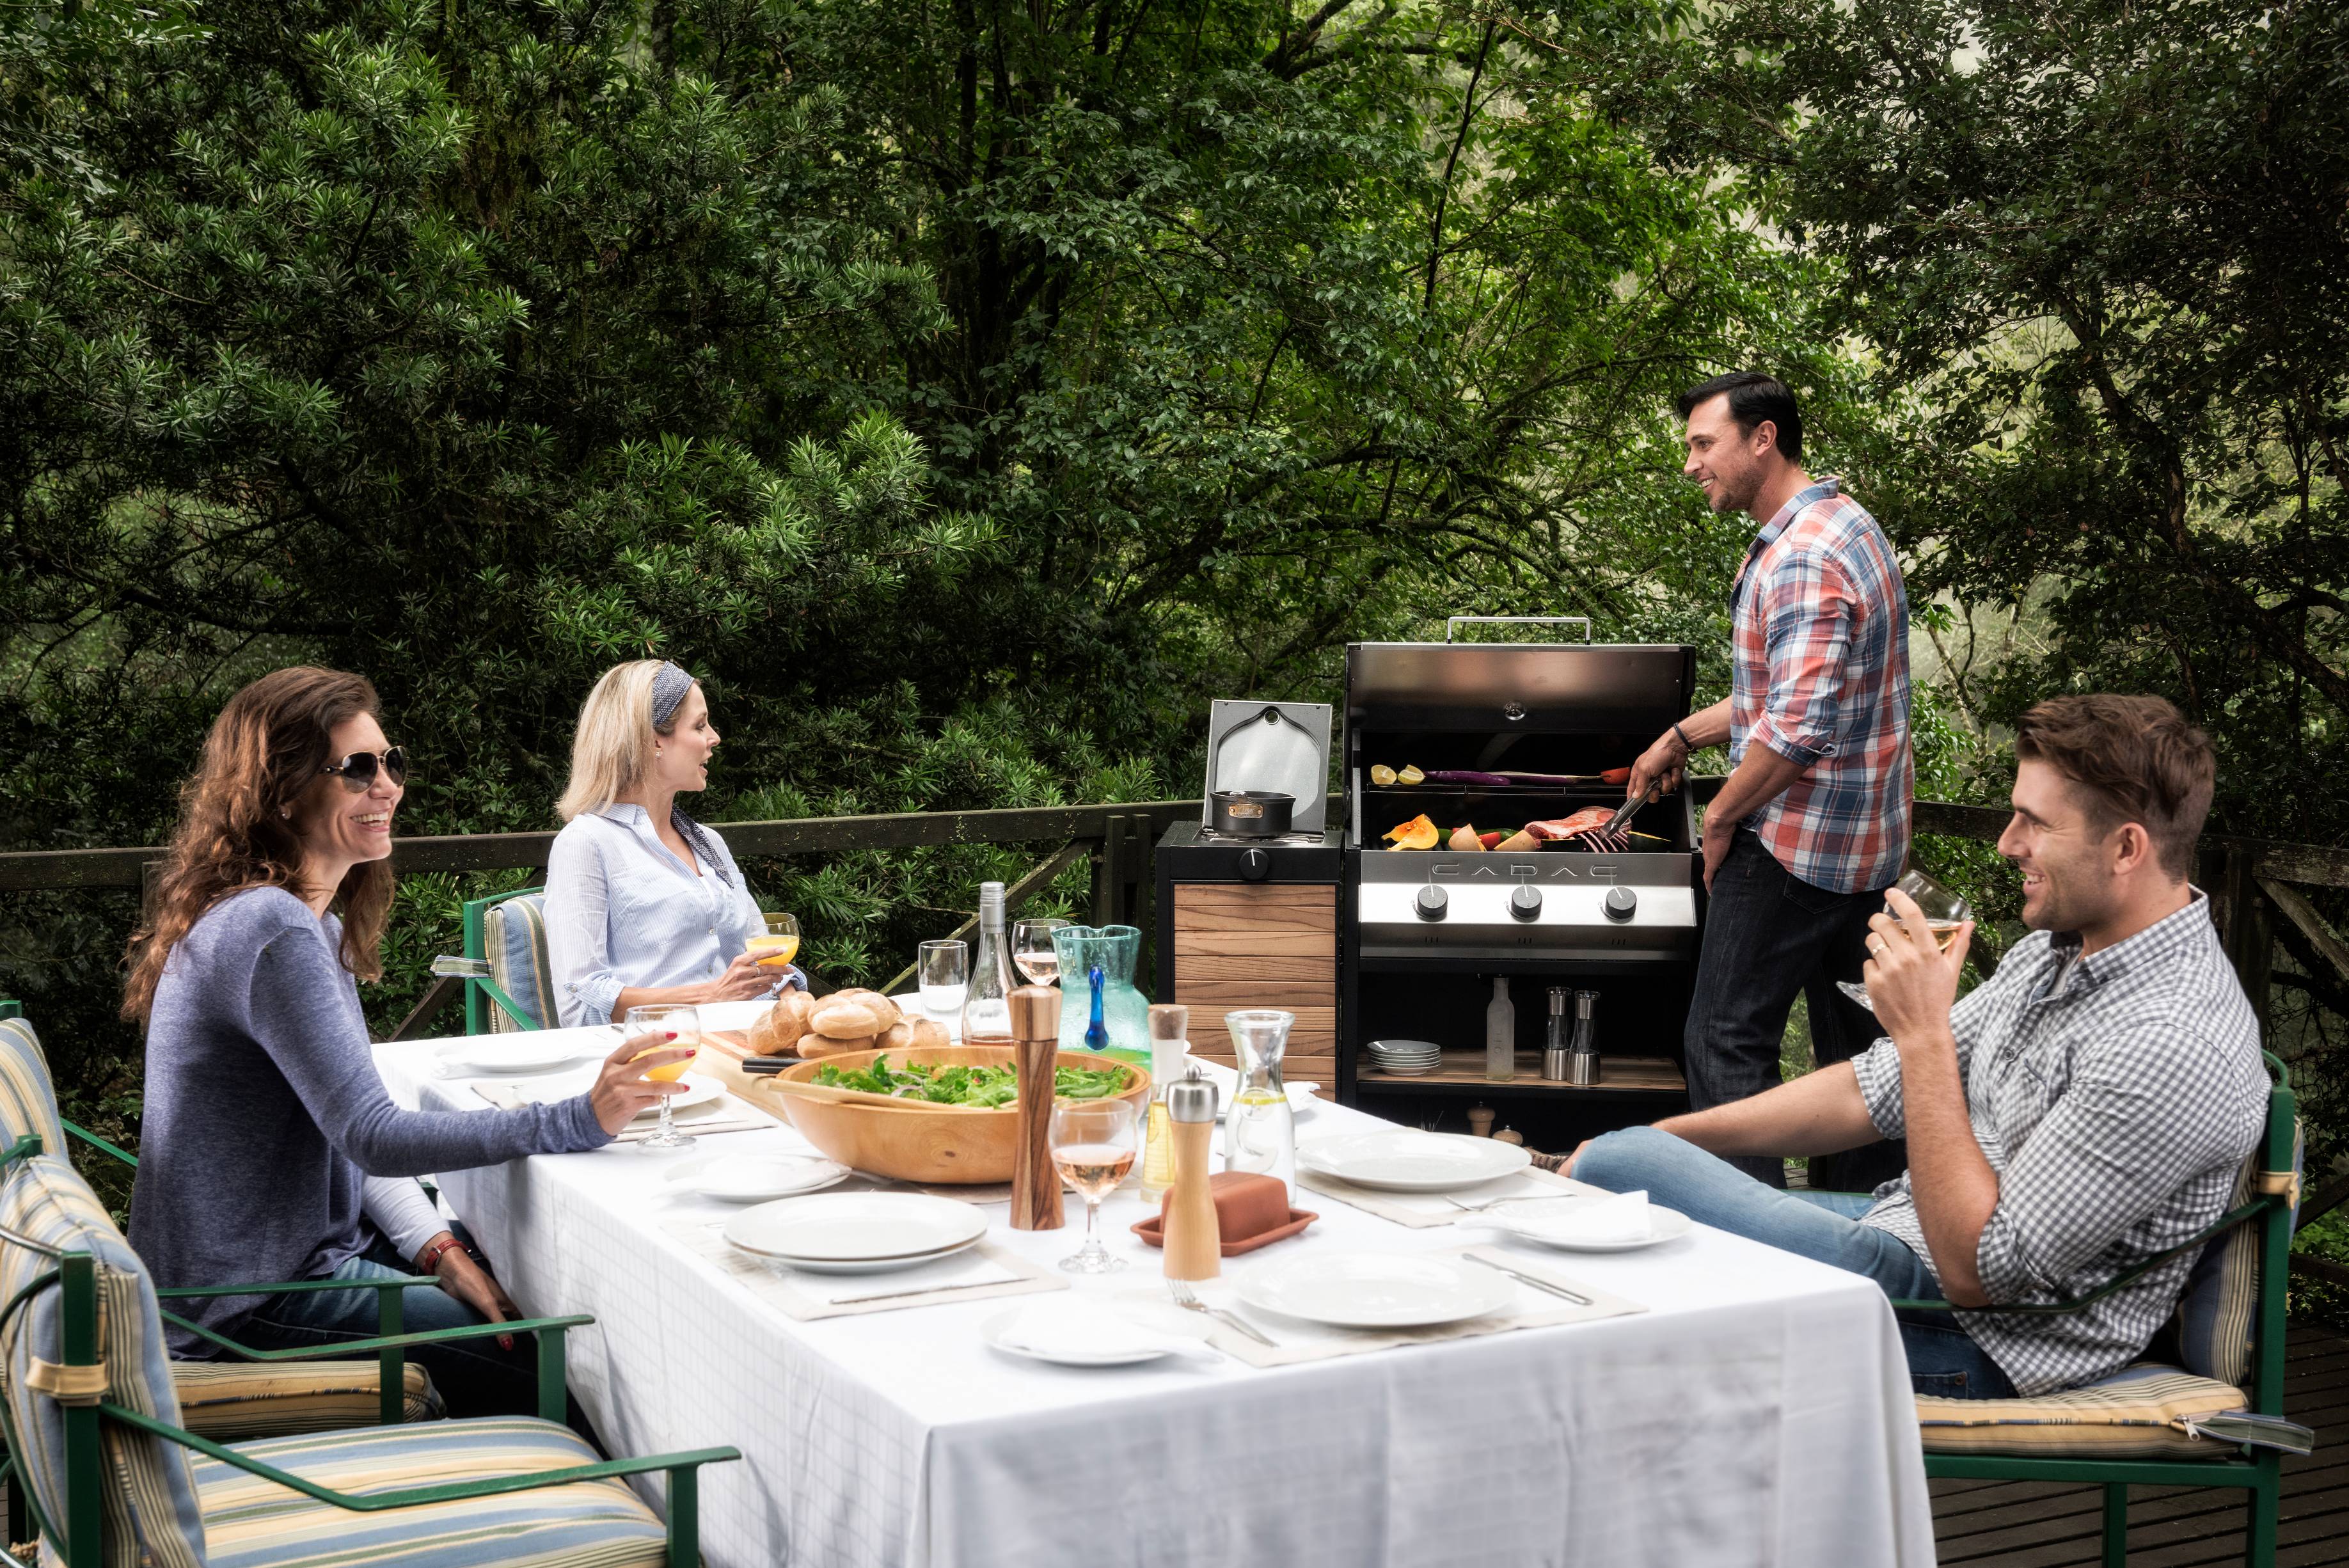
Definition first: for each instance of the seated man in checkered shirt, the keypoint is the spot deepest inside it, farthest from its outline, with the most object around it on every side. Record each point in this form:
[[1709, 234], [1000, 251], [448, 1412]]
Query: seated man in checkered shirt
[[2085, 1107]]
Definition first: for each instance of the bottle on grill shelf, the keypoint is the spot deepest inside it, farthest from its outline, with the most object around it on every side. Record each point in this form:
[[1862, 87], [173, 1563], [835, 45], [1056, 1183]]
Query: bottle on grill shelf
[[1501, 1033]]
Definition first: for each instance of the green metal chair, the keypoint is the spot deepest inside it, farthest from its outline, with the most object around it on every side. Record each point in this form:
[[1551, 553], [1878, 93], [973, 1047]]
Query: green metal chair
[[91, 1423], [509, 985], [2156, 1425]]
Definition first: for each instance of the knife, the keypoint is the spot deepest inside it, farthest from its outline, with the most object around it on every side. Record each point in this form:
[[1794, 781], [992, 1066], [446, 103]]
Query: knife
[[1529, 1280]]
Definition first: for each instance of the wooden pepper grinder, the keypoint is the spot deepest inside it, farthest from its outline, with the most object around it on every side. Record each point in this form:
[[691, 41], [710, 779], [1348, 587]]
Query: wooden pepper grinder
[[1036, 1048], [1194, 1240]]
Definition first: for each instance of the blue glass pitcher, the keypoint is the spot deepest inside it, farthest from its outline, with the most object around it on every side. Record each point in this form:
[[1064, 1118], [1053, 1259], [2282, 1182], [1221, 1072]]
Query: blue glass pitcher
[[1101, 1011]]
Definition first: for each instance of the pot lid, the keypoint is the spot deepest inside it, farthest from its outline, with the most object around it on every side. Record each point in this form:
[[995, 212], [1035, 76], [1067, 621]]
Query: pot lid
[[1274, 748]]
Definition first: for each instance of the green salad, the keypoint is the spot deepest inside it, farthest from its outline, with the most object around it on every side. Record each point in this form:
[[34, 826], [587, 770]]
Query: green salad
[[963, 1085]]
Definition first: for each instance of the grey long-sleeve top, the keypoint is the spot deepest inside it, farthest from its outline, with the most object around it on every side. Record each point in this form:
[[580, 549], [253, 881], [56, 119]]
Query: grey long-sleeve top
[[265, 1111]]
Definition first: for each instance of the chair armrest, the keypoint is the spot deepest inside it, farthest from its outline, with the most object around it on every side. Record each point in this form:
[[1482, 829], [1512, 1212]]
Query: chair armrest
[[399, 1283], [512, 1008], [342, 1349], [91, 1138], [408, 1497], [2223, 1224]]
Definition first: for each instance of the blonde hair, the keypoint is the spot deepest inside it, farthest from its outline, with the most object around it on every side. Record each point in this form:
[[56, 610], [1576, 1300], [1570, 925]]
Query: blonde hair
[[612, 753]]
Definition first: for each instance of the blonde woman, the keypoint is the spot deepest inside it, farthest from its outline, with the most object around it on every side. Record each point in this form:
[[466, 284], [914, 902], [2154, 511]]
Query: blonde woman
[[644, 905]]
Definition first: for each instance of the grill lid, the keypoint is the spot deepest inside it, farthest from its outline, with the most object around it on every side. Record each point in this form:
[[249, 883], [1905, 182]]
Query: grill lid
[[1493, 689]]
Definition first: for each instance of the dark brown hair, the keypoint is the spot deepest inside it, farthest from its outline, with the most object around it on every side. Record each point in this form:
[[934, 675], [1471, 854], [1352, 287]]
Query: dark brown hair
[[1752, 397], [262, 758], [2133, 759]]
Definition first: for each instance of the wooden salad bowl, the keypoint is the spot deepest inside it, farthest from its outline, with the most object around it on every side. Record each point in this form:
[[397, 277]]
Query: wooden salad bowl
[[945, 1144]]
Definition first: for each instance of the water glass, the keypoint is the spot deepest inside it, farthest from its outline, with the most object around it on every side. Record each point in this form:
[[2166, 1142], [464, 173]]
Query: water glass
[[1093, 1146], [685, 1021], [941, 969], [1945, 912]]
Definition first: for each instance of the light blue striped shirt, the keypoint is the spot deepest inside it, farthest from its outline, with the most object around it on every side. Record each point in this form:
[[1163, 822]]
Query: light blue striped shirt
[[622, 911]]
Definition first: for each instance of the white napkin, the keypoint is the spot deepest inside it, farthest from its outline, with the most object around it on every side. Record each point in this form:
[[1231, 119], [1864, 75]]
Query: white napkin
[[1085, 1328], [1623, 1218]]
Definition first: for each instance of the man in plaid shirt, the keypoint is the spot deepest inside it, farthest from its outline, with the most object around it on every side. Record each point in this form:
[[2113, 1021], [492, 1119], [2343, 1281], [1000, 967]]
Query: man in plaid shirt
[[1813, 824], [2083, 1110]]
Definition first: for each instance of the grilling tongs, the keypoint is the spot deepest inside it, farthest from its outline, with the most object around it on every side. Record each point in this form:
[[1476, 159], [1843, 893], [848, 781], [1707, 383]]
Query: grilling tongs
[[1612, 835]]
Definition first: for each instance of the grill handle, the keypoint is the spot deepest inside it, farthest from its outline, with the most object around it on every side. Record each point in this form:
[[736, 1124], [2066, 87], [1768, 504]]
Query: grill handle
[[1581, 621]]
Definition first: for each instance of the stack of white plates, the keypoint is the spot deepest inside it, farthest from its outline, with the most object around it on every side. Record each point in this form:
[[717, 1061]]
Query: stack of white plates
[[857, 1232], [1407, 1058]]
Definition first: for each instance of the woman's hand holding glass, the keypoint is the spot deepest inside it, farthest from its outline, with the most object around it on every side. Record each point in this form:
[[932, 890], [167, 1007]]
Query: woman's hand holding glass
[[745, 980], [622, 1091]]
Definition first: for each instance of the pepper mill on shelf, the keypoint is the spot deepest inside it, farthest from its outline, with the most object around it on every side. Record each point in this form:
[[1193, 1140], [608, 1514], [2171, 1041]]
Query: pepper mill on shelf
[[1194, 1240], [1035, 1045]]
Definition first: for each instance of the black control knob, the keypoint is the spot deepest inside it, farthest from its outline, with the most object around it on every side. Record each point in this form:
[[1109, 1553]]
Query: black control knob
[[1525, 903], [1621, 903], [1432, 902], [1254, 865]]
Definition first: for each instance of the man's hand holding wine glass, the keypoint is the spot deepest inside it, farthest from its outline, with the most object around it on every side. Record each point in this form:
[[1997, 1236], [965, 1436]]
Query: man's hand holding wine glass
[[1911, 981]]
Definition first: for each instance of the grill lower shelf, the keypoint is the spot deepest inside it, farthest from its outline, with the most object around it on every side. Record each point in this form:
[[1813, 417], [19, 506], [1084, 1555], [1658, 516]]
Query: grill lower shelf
[[1464, 1070]]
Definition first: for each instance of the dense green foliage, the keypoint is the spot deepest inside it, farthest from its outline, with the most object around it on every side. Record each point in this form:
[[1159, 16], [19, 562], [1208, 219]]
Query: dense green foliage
[[970, 392]]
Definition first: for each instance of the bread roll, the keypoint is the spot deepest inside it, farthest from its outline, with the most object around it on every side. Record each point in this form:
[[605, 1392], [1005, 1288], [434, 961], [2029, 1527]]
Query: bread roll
[[814, 1044], [844, 1019], [885, 1012], [777, 1033], [928, 1033]]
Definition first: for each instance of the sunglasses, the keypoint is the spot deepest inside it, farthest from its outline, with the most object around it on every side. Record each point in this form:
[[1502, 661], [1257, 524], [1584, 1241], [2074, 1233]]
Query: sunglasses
[[358, 770]]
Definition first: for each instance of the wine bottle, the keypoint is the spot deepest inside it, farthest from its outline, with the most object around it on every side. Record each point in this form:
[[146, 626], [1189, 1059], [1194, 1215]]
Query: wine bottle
[[987, 1006]]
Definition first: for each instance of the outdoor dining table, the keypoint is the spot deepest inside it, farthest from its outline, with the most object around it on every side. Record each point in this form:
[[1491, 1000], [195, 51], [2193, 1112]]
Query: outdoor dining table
[[1757, 1412]]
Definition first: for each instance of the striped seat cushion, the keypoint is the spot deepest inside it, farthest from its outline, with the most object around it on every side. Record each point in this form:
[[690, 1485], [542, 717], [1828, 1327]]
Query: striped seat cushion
[[513, 933], [230, 1400], [146, 1493], [2220, 1308], [2135, 1414], [256, 1523], [29, 1100]]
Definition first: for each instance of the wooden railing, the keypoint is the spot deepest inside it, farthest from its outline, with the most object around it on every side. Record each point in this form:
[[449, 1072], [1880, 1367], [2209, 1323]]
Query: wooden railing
[[2251, 882]]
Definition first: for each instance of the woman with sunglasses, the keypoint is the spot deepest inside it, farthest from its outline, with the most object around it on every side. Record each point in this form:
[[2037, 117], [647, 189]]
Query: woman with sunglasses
[[270, 1148], [644, 905]]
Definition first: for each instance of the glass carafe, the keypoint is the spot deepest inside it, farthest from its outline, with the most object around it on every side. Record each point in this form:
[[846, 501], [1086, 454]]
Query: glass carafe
[[1100, 1008], [1260, 1130]]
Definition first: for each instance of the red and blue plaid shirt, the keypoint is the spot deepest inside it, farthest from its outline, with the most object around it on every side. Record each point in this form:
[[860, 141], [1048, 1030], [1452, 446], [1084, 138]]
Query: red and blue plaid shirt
[[1819, 674]]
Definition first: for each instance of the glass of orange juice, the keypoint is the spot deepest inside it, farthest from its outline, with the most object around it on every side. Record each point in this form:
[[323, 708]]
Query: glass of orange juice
[[684, 1022], [779, 943]]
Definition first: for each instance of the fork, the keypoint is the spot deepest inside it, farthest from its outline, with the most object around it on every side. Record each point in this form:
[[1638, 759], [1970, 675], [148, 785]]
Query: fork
[[1188, 1300]]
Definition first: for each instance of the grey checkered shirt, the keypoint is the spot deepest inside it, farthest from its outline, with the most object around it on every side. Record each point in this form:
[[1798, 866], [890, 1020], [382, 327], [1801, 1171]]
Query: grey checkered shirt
[[2116, 1101]]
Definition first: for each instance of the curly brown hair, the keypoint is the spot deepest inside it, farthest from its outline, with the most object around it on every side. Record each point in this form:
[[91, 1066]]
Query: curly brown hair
[[264, 754]]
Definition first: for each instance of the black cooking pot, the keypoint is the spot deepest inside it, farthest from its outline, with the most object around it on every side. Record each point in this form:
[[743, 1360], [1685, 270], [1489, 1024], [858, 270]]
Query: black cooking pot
[[1251, 813]]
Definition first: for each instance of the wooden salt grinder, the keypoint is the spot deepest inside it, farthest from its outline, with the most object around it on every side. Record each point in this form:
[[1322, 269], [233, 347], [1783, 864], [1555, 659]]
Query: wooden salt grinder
[[1036, 1049]]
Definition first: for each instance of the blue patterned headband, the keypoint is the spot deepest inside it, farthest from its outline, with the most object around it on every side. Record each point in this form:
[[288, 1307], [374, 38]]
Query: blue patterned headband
[[670, 683]]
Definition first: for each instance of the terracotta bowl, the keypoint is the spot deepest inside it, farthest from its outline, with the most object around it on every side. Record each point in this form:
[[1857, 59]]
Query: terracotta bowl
[[940, 1145]]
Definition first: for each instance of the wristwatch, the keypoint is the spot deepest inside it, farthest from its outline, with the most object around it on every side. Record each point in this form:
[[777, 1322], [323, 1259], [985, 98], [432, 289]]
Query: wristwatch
[[429, 1261]]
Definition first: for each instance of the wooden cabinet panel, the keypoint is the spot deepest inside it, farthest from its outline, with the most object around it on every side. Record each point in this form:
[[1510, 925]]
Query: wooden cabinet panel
[[1265, 920], [1314, 1034], [1199, 986], [1294, 1069]]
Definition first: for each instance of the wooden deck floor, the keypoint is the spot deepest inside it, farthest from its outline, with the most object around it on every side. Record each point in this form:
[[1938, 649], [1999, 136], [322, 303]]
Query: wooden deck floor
[[2029, 1525]]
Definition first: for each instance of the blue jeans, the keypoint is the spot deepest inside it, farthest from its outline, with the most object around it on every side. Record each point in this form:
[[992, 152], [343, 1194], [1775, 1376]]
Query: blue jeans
[[1825, 1226], [474, 1376], [1769, 936]]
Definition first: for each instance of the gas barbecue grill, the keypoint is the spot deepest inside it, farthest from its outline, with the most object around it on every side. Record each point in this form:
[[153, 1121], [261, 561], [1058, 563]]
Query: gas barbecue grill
[[1425, 931]]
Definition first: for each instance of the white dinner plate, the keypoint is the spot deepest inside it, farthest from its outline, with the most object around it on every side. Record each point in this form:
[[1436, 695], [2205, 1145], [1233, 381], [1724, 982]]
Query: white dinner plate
[[1406, 1161], [1379, 1290], [1664, 1225], [756, 1178], [1089, 1323], [492, 1054], [871, 1265], [698, 1091], [893, 1229]]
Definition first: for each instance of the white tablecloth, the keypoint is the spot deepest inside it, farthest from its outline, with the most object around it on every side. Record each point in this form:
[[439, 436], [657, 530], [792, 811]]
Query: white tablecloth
[[1759, 1412]]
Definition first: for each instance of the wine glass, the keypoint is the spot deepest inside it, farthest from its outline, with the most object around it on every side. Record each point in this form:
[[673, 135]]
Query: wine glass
[[1945, 914], [780, 942], [1093, 1148], [1032, 949], [942, 969], [685, 1021]]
